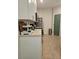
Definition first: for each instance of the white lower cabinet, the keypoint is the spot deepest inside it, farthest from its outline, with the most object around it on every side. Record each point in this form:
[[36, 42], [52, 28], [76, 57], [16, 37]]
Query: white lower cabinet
[[29, 47]]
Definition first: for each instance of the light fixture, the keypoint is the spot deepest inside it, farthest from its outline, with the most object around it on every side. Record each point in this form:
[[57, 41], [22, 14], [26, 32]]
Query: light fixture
[[30, 1], [35, 1], [41, 1]]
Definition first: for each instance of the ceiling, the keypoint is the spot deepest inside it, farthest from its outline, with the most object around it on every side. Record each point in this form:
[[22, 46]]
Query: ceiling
[[48, 3]]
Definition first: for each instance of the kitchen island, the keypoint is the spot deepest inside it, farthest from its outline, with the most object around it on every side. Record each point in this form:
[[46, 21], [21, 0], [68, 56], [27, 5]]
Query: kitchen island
[[30, 46]]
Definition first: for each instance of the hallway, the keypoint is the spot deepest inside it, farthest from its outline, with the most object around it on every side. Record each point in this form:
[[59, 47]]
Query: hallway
[[51, 47]]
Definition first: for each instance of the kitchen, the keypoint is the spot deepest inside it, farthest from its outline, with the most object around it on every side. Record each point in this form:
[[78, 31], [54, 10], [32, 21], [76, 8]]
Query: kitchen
[[33, 26]]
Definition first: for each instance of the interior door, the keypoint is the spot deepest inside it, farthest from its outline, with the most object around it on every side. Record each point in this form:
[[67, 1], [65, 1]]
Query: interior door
[[57, 24]]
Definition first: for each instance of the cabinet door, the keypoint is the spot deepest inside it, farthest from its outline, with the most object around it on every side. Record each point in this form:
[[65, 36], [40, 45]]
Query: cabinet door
[[32, 8], [26, 10], [30, 48], [22, 9]]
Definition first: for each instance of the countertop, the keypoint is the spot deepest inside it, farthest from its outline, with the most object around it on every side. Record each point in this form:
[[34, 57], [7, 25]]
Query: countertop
[[36, 32]]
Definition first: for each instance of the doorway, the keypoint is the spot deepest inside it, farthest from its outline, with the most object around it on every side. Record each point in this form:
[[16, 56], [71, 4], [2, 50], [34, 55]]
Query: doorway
[[57, 24]]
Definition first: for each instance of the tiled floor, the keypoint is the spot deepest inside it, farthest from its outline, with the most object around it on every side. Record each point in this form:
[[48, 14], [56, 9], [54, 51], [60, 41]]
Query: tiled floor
[[51, 47]]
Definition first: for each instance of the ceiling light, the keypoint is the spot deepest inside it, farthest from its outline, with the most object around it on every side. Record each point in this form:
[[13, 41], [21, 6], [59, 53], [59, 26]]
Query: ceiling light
[[41, 1], [35, 1], [30, 1]]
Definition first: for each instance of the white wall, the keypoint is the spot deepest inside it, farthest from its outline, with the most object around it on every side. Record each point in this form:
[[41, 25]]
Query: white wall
[[48, 17], [57, 10], [46, 14]]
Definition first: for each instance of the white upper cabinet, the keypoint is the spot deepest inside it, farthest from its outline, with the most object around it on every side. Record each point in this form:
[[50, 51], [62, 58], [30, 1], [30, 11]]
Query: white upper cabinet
[[27, 9], [22, 9], [32, 9]]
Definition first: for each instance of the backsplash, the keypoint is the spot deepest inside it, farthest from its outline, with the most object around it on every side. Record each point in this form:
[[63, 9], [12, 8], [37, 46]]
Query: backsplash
[[29, 25]]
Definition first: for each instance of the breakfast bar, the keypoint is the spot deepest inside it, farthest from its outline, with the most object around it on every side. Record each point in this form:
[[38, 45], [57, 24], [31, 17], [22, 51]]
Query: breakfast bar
[[30, 46]]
